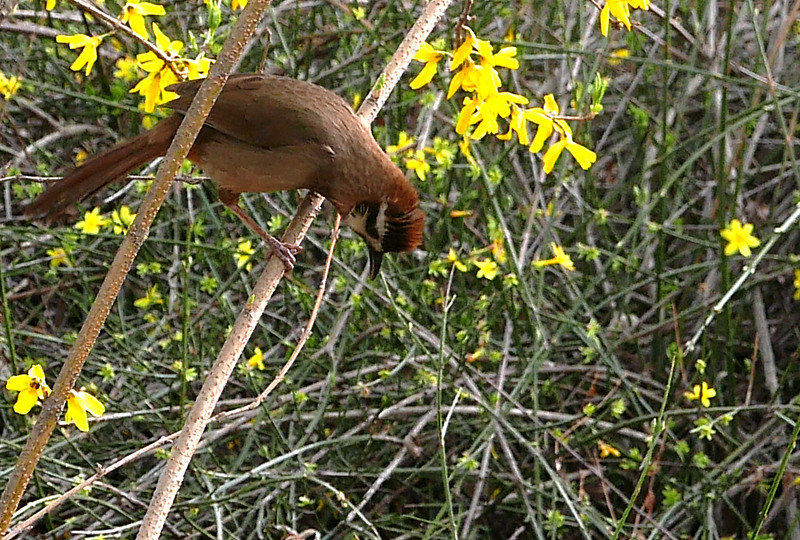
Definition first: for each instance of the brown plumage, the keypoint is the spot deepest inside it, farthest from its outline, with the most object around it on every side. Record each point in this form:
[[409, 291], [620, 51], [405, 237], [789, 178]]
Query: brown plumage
[[265, 134]]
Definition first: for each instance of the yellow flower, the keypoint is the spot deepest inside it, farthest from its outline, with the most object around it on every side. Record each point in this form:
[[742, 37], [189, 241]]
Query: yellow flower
[[498, 104], [153, 88], [582, 155], [8, 86], [430, 57], [455, 214], [50, 5], [242, 254], [92, 222], [619, 9], [134, 12], [488, 78], [607, 450], [618, 56], [740, 238], [404, 142], [238, 4], [498, 250], [463, 145], [701, 392], [150, 298], [467, 79], [80, 156], [149, 61], [126, 69], [452, 258], [797, 284], [467, 115], [78, 403], [487, 268], [31, 387], [463, 51], [419, 165], [257, 360], [482, 78], [544, 118], [503, 58], [560, 257], [88, 55], [57, 257], [197, 68], [519, 125], [160, 76], [122, 219]]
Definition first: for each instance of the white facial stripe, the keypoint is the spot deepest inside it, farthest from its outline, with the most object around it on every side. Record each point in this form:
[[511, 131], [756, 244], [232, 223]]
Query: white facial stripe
[[358, 222]]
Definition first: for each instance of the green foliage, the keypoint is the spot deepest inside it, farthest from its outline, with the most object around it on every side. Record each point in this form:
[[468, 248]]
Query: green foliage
[[533, 366]]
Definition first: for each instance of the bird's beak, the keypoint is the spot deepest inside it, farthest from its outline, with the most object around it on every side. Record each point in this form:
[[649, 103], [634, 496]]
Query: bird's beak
[[375, 259]]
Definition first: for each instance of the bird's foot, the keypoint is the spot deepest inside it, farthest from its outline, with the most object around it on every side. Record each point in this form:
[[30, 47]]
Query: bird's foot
[[284, 251]]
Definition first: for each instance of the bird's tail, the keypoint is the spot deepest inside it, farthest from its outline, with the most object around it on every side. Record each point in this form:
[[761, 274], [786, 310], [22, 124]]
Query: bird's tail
[[105, 168]]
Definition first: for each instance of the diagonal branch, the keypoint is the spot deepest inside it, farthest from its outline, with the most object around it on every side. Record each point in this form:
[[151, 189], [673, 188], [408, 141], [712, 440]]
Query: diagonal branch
[[184, 138], [197, 419]]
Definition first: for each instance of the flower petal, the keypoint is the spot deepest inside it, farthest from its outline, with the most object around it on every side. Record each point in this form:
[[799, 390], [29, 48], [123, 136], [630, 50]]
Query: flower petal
[[552, 154], [424, 76], [26, 400], [582, 155], [18, 383]]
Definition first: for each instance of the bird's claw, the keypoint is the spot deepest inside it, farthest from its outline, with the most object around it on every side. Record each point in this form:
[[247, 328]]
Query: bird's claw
[[285, 252]]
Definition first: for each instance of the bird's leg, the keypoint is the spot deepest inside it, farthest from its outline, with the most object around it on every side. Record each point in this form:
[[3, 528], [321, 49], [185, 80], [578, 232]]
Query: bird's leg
[[284, 251]]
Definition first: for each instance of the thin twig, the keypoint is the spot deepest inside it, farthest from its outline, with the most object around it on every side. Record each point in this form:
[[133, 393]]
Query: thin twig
[[101, 472], [303, 338]]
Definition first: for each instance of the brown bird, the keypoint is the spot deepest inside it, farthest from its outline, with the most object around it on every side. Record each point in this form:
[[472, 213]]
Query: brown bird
[[264, 134]]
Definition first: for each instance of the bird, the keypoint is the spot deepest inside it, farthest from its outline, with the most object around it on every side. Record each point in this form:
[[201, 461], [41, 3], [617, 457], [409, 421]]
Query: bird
[[268, 133]]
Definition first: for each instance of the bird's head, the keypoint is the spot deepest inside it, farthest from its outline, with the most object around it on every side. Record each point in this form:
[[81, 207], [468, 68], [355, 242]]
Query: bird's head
[[386, 226]]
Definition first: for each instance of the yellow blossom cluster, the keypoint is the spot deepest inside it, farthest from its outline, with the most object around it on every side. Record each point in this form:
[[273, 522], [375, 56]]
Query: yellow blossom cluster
[[607, 450], [257, 360], [414, 159], [244, 251], [560, 258], [161, 74], [58, 256], [486, 267], [152, 297], [489, 267], [620, 10], [475, 64], [33, 388], [163, 68], [8, 86], [702, 393], [93, 222]]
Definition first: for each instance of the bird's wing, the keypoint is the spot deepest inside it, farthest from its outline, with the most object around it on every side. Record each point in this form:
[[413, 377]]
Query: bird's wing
[[269, 111]]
